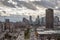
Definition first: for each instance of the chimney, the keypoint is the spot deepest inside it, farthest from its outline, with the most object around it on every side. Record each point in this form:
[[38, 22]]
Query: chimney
[[49, 18]]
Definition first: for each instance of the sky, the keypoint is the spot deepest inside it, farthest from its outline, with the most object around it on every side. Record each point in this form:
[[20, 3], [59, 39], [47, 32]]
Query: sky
[[21, 11], [25, 8]]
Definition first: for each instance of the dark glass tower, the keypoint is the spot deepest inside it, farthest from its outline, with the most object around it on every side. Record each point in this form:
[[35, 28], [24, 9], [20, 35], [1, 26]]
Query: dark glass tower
[[49, 18]]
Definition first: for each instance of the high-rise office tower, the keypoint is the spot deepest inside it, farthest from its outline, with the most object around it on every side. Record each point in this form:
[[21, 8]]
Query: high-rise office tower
[[38, 20], [1, 26], [43, 21], [7, 24], [56, 20], [7, 20], [25, 21], [30, 20], [49, 18]]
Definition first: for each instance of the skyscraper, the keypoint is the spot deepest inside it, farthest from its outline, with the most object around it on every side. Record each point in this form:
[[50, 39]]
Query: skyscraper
[[7, 20], [49, 18], [56, 20], [30, 20], [7, 24], [37, 20], [43, 21]]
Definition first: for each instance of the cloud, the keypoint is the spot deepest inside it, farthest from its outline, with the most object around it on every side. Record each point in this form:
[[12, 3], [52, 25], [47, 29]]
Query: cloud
[[9, 3], [6, 3], [44, 4], [27, 5]]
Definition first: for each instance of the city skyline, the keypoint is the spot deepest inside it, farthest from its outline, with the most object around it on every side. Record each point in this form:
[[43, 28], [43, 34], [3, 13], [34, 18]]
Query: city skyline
[[47, 28], [29, 19]]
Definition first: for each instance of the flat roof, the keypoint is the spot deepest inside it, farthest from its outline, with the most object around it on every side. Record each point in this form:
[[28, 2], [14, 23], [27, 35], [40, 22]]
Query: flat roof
[[49, 32]]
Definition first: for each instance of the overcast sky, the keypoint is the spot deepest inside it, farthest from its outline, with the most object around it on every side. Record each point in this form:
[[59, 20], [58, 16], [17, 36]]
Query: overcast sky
[[28, 7]]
